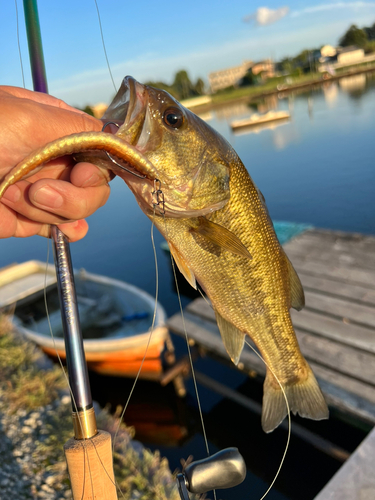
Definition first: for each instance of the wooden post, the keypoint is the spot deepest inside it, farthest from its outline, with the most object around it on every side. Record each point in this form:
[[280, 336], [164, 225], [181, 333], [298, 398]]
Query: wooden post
[[90, 467]]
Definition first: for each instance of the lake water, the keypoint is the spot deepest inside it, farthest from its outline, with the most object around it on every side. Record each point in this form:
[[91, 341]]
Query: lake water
[[318, 169]]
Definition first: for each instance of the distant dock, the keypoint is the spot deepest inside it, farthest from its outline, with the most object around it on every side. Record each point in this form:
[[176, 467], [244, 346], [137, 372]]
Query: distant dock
[[256, 119]]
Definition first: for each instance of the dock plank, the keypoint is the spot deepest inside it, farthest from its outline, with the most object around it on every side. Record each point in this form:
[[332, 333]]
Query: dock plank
[[355, 479], [343, 359], [339, 248], [343, 308], [347, 333], [362, 294], [352, 275]]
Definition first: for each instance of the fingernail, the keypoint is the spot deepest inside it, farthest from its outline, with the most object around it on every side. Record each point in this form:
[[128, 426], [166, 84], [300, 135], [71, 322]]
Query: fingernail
[[13, 194], [69, 225], [91, 181], [48, 197]]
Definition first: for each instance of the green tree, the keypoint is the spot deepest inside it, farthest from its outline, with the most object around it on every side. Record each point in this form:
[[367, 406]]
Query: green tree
[[354, 36], [302, 58], [248, 79], [370, 47], [88, 110], [182, 85], [287, 65], [199, 87], [370, 32], [164, 86]]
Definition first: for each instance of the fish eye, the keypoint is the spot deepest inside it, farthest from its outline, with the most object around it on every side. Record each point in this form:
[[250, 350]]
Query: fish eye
[[173, 117]]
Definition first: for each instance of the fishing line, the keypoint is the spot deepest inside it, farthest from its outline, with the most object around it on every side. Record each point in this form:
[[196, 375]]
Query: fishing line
[[286, 402], [150, 336], [289, 420], [189, 350], [105, 51], [204, 297], [19, 45]]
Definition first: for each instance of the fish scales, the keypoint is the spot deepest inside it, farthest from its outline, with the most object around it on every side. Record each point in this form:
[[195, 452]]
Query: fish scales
[[217, 226], [252, 293]]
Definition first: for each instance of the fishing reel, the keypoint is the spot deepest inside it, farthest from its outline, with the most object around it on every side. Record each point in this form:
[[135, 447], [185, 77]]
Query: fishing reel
[[223, 470]]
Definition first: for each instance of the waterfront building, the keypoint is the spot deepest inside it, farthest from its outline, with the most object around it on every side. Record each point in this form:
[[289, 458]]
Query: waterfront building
[[340, 57], [349, 55], [265, 69], [230, 76]]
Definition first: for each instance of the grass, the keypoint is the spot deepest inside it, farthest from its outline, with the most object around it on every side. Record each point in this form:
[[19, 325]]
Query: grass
[[24, 384], [141, 474], [258, 90], [271, 84]]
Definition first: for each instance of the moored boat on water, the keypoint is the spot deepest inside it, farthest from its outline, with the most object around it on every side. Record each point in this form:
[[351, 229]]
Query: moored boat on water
[[116, 318], [256, 119]]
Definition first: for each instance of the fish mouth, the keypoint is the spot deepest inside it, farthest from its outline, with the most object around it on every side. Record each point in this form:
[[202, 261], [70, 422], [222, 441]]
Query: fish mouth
[[123, 103], [128, 111]]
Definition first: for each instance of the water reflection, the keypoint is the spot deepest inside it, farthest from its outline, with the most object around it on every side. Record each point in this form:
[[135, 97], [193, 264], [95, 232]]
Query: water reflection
[[354, 84], [282, 137], [231, 110], [331, 93], [256, 129]]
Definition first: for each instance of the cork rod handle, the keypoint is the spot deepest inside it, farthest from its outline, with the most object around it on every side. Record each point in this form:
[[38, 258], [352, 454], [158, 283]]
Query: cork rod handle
[[90, 467]]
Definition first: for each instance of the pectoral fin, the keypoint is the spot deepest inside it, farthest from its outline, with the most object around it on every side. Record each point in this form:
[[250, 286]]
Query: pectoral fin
[[297, 295], [221, 236], [183, 266], [233, 339]]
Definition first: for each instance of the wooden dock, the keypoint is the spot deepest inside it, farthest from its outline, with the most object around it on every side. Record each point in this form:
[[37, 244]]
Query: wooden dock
[[355, 480], [336, 329]]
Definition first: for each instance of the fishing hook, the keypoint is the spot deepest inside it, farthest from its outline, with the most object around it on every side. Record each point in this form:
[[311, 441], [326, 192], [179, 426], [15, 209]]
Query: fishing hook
[[158, 196], [140, 176]]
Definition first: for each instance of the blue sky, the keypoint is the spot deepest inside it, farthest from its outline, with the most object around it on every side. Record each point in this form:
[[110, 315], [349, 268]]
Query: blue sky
[[151, 40]]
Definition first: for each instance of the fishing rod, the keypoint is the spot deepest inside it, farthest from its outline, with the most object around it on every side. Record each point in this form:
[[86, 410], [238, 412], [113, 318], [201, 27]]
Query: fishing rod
[[89, 452]]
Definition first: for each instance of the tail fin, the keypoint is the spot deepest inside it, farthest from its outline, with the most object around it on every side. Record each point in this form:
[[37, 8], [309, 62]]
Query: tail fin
[[304, 397]]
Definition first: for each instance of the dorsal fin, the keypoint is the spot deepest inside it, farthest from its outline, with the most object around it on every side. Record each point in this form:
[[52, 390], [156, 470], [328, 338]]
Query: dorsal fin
[[183, 266], [233, 339], [220, 236]]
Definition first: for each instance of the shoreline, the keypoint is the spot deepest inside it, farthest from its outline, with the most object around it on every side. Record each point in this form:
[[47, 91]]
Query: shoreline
[[35, 421], [226, 98]]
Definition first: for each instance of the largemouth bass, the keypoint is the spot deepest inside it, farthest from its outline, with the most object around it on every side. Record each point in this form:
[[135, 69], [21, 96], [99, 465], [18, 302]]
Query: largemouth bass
[[216, 223]]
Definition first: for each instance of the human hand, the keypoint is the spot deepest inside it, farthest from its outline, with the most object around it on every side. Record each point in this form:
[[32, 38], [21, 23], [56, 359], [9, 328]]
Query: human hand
[[61, 191]]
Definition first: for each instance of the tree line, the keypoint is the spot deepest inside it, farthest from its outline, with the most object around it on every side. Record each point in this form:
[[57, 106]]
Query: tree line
[[361, 37], [305, 61], [182, 87]]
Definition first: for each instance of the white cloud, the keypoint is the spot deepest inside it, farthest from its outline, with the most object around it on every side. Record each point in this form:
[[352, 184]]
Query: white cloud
[[263, 15], [332, 6]]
